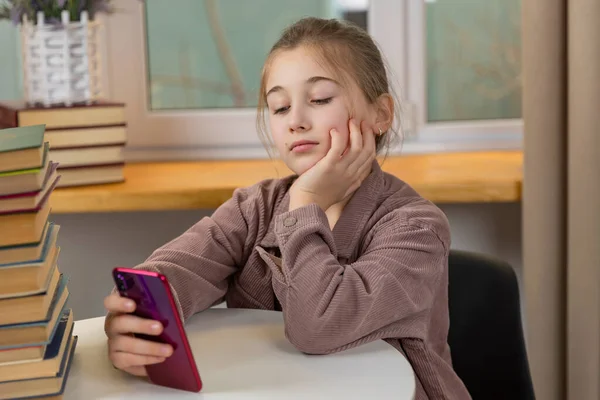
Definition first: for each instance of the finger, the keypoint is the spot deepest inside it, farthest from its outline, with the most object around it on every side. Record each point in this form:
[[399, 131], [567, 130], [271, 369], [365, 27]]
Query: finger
[[363, 169], [360, 168], [108, 320], [361, 155], [347, 140], [364, 162], [117, 304], [356, 140], [369, 146], [374, 134], [127, 323], [338, 145], [137, 371], [354, 145], [359, 178], [130, 344], [369, 138], [122, 360]]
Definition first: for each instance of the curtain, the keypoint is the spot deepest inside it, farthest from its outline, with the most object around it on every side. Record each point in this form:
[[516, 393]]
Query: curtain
[[561, 196]]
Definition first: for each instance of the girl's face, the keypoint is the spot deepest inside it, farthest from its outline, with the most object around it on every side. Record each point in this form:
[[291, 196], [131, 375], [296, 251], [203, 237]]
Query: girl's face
[[305, 102]]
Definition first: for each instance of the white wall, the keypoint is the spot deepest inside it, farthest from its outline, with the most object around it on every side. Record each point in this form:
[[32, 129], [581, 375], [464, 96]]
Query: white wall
[[92, 244]]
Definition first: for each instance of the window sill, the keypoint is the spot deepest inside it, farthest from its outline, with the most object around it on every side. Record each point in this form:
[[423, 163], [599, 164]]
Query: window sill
[[466, 177]]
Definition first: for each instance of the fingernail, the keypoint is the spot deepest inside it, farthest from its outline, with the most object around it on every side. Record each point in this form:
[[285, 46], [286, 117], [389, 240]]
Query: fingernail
[[155, 326], [166, 350], [130, 305]]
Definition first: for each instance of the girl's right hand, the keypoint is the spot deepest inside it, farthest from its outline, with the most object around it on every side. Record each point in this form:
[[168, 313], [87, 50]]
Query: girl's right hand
[[125, 351]]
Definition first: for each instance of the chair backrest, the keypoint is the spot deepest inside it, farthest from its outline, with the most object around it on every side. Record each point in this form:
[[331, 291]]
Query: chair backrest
[[486, 335]]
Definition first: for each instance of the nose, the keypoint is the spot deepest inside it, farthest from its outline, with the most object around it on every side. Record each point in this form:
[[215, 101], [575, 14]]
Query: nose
[[298, 120]]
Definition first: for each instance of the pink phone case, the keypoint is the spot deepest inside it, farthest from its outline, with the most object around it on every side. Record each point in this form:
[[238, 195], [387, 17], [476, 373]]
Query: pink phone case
[[152, 294]]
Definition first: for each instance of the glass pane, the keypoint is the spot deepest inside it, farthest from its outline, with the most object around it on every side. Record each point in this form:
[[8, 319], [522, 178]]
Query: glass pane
[[209, 54], [11, 82], [473, 59]]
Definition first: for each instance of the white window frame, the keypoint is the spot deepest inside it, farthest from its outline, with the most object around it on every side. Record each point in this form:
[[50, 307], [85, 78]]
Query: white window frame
[[396, 25]]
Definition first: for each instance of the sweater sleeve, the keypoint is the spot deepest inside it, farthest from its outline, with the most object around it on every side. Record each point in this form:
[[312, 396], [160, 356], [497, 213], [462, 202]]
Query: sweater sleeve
[[387, 292], [199, 262]]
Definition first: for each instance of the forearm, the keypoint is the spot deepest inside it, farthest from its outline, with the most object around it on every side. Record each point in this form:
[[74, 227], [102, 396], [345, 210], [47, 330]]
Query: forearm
[[192, 293], [199, 262], [329, 306], [197, 265]]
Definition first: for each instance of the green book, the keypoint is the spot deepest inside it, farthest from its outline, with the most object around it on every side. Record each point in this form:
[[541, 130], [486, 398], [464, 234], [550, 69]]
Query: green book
[[29, 171], [22, 171], [21, 138]]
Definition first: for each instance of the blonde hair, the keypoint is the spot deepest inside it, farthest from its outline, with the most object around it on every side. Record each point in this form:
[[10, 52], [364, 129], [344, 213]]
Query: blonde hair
[[345, 49]]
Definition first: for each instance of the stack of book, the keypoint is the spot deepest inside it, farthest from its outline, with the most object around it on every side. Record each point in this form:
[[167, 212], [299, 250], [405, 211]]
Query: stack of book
[[87, 140], [36, 326]]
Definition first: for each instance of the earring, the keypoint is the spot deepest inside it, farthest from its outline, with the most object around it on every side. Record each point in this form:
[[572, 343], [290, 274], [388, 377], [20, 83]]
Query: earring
[[380, 132]]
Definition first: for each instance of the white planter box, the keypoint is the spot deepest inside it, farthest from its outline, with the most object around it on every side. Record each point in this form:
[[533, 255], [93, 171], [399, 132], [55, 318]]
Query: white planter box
[[61, 62]]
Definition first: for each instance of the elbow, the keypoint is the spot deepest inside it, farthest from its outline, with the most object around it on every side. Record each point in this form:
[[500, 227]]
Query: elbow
[[307, 346], [309, 339]]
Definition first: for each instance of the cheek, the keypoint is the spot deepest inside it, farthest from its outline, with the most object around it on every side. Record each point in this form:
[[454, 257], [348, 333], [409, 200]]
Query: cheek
[[338, 118], [278, 132]]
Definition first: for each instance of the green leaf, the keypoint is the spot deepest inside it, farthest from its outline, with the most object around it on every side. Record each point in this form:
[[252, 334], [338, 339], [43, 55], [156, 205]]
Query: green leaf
[[4, 12]]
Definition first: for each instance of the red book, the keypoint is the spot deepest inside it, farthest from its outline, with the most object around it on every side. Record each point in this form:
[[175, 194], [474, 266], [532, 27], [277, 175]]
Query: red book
[[28, 202]]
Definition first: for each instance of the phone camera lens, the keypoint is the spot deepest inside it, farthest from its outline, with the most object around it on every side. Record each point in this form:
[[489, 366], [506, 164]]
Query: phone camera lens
[[121, 284]]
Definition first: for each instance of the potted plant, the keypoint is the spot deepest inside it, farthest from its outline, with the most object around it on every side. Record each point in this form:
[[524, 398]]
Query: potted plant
[[52, 9], [60, 49]]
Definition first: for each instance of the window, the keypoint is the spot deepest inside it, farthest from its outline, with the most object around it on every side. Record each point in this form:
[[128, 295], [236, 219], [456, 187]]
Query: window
[[208, 54], [464, 64], [473, 60], [189, 70]]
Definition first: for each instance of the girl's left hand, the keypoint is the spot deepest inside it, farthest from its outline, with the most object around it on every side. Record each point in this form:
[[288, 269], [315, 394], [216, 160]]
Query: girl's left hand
[[337, 175]]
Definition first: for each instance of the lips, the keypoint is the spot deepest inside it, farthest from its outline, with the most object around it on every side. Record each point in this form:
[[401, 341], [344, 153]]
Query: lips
[[302, 143]]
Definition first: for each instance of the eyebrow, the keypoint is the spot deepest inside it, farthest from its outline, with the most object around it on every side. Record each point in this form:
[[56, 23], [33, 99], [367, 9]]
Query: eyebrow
[[311, 80]]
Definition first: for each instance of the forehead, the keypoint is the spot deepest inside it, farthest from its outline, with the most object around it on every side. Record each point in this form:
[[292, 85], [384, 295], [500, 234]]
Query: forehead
[[289, 67]]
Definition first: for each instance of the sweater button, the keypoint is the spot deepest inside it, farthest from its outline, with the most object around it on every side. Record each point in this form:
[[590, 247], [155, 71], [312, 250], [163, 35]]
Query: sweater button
[[289, 221]]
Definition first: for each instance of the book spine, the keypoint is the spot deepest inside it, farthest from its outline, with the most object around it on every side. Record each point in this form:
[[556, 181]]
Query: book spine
[[8, 118]]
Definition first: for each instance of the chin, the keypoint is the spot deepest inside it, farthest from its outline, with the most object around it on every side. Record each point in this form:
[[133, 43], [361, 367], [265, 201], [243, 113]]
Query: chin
[[300, 166]]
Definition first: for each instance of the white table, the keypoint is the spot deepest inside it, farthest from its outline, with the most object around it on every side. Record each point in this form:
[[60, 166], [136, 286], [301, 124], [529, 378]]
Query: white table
[[243, 354]]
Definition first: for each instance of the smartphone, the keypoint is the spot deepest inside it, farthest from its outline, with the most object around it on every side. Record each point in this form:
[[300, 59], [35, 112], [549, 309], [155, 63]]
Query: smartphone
[[154, 300]]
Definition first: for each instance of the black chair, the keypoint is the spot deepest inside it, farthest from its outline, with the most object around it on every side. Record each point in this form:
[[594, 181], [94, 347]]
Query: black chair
[[486, 335]]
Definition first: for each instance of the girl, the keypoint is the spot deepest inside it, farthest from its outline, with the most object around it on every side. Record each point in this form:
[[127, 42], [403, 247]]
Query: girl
[[349, 253]]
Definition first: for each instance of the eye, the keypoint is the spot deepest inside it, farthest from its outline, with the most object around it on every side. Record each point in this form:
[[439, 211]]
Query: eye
[[281, 110], [322, 101]]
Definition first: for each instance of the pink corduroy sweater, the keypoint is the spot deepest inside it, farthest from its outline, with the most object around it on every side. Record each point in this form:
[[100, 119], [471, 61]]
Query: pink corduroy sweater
[[381, 273]]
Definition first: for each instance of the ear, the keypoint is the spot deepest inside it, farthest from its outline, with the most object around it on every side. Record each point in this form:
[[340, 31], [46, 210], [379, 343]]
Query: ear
[[385, 111]]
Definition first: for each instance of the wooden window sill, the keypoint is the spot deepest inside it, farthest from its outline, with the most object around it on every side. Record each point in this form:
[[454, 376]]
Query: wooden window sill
[[441, 177]]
